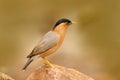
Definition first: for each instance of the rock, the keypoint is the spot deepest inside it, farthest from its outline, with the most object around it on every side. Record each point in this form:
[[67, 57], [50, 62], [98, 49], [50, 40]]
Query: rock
[[56, 72]]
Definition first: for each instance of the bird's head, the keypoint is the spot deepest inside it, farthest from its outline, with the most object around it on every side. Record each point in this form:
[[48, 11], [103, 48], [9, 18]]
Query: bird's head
[[62, 22]]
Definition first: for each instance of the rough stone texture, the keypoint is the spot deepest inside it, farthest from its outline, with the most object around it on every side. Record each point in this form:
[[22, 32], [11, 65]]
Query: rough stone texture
[[57, 73]]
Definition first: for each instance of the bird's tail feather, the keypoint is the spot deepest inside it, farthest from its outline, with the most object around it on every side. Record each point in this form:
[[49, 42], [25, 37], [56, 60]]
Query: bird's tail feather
[[28, 63]]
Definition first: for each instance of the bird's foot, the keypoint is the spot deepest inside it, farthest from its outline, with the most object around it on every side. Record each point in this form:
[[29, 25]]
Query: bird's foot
[[48, 63]]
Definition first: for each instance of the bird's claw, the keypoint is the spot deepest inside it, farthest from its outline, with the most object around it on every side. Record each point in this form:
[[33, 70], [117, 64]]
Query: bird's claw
[[48, 63]]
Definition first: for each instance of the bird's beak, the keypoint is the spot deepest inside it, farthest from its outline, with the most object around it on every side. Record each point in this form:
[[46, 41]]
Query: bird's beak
[[73, 22]]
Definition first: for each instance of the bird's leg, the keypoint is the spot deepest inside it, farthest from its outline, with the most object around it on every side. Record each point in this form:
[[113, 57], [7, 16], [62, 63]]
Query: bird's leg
[[47, 62]]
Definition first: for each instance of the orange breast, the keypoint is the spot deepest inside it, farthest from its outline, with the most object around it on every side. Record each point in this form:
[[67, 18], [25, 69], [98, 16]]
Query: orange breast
[[61, 30]]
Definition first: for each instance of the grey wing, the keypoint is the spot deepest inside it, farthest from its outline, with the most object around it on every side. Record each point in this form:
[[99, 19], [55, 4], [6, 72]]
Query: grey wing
[[47, 42]]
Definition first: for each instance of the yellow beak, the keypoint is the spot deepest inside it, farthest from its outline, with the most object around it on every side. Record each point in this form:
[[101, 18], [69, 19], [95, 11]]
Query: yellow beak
[[73, 22]]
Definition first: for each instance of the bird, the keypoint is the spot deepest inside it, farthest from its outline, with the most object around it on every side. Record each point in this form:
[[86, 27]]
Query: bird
[[50, 42]]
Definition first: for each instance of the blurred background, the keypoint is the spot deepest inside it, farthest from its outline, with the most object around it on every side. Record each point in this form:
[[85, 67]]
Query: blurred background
[[92, 46]]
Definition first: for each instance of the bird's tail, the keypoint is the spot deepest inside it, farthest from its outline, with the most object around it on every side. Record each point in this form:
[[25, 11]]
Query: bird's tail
[[28, 63]]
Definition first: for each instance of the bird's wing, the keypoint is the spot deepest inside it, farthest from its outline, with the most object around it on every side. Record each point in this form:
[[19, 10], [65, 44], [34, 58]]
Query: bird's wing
[[47, 42]]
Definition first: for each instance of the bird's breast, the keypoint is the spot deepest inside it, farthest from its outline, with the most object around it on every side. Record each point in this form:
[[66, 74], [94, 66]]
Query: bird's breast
[[61, 31]]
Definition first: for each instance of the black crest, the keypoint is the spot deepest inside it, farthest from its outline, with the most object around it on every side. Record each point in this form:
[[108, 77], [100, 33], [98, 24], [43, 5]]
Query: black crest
[[63, 20]]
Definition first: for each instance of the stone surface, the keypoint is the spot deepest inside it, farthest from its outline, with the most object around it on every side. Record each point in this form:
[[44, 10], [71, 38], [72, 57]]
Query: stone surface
[[55, 72]]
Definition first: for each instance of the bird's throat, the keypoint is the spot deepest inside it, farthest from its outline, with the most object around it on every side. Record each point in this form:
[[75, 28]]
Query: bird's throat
[[61, 30]]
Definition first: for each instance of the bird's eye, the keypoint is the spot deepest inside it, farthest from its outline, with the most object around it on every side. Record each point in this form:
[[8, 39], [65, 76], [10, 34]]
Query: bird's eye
[[69, 22]]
